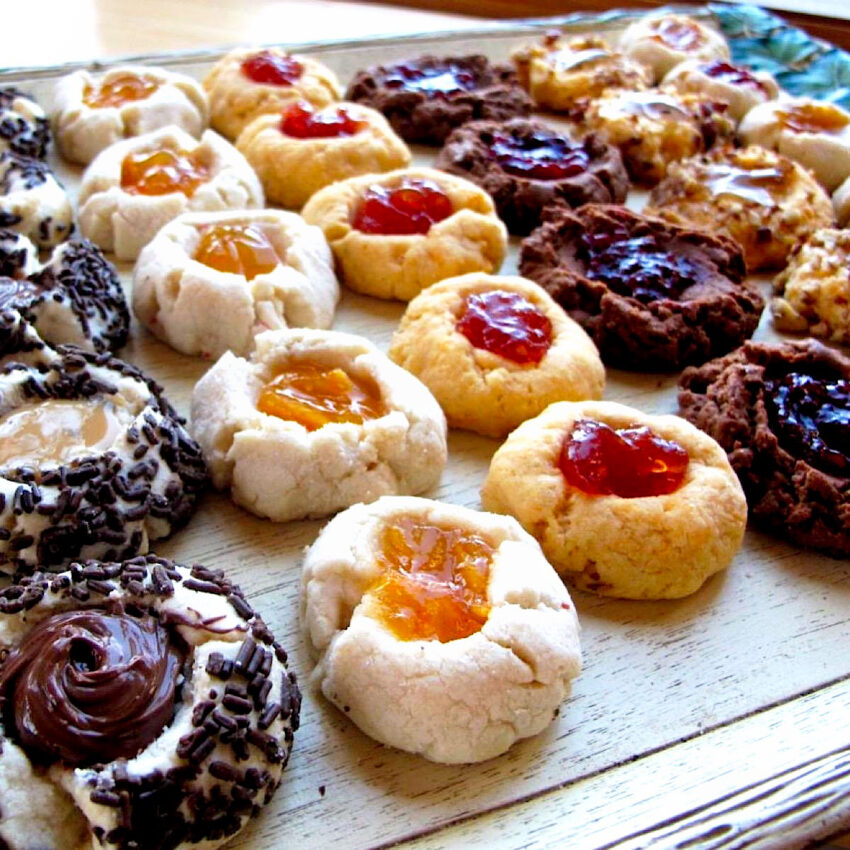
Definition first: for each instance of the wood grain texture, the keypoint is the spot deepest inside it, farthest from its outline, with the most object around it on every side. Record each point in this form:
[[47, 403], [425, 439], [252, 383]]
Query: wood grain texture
[[662, 680]]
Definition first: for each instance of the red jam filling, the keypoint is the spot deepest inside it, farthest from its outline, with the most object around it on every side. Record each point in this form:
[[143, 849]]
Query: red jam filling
[[506, 324], [628, 462], [271, 69], [677, 34], [121, 89], [162, 172], [434, 585], [539, 156], [238, 249], [301, 121], [720, 70], [438, 81], [410, 207]]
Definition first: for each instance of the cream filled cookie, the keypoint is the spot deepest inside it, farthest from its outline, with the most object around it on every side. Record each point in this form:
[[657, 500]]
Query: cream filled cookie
[[624, 504], [24, 129], [76, 297], [495, 351], [301, 150], [91, 112], [813, 291], [660, 42], [438, 629], [737, 86], [252, 81], [32, 201], [145, 704], [94, 462], [812, 132], [763, 200], [396, 233], [314, 422], [135, 187], [561, 74], [210, 282]]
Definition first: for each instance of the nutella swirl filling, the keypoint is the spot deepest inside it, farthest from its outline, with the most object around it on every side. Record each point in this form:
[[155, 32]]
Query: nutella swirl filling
[[91, 686]]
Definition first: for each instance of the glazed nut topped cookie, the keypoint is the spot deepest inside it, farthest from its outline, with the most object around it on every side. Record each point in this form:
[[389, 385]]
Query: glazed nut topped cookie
[[210, 282], [91, 112], [495, 351], [623, 503], [251, 81], [24, 128], [394, 234], [660, 42], [812, 132], [135, 186], [303, 149], [438, 629]]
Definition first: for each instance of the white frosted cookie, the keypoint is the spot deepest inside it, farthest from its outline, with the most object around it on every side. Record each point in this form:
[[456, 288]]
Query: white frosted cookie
[[660, 42], [32, 201], [651, 542], [737, 86], [453, 230], [495, 351], [293, 163], [91, 112], [129, 191], [209, 282], [813, 291], [764, 201], [560, 73], [24, 128], [456, 672], [812, 132], [145, 705], [314, 422], [252, 81]]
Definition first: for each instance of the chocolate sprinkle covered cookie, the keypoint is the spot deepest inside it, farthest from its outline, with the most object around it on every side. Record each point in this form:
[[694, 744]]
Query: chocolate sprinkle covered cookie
[[652, 295], [24, 128], [525, 166], [424, 99], [782, 413]]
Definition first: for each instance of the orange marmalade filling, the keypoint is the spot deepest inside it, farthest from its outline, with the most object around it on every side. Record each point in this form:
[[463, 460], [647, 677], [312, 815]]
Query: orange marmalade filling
[[315, 395], [241, 249], [161, 172], [434, 585], [760, 186], [812, 118], [121, 89]]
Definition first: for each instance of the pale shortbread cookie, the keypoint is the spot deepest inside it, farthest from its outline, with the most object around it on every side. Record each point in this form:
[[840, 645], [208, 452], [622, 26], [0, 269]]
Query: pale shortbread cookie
[[764, 201], [651, 547], [841, 203], [278, 469], [656, 127], [471, 239], [124, 223], [83, 130], [813, 292], [737, 86], [476, 388], [812, 132], [559, 73], [203, 311], [463, 700], [292, 169], [660, 42], [236, 100]]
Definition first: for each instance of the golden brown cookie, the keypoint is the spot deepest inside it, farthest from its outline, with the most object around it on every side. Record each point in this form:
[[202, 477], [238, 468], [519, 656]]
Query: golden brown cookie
[[761, 199], [301, 150], [495, 351], [616, 525], [394, 234], [251, 81]]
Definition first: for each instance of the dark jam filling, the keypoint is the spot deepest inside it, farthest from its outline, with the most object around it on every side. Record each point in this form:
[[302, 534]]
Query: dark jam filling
[[408, 208], [811, 419], [637, 266], [720, 70], [272, 70], [539, 156], [438, 81]]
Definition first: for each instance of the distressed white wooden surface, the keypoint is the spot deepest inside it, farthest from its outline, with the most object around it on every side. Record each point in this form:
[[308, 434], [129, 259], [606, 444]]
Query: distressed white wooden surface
[[775, 627]]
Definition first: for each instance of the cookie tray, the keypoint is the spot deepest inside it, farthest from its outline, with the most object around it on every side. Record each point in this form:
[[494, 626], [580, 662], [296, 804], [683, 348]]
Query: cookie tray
[[720, 720]]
